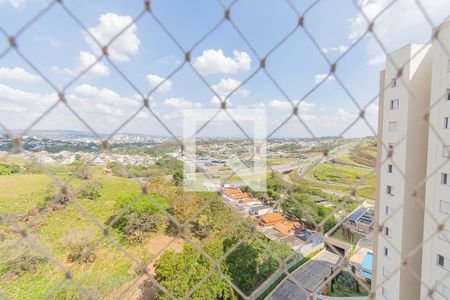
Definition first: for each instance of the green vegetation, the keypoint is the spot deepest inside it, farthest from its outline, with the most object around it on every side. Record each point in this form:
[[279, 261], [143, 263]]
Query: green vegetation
[[66, 234], [302, 207], [280, 161], [148, 150], [345, 285], [327, 146], [180, 272], [9, 169], [341, 174], [108, 195], [338, 179]]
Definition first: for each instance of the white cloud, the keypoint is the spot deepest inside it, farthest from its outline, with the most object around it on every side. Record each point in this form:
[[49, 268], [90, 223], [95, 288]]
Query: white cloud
[[154, 80], [18, 4], [376, 60], [12, 95], [103, 95], [400, 24], [169, 60], [340, 49], [320, 77], [54, 42], [304, 106], [372, 115], [126, 44], [215, 62], [17, 74], [225, 86], [102, 108], [180, 103], [85, 59]]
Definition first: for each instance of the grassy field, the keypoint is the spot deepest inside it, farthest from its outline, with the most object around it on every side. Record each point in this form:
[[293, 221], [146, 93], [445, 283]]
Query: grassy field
[[20, 193], [339, 183], [280, 161], [342, 174]]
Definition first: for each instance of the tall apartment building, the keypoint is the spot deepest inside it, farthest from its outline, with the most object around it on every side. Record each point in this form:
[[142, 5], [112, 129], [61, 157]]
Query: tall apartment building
[[413, 189]]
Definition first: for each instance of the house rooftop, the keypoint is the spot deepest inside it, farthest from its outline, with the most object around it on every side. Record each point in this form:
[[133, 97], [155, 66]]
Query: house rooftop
[[231, 191], [356, 215], [239, 195], [292, 241], [250, 200], [271, 218], [287, 228]]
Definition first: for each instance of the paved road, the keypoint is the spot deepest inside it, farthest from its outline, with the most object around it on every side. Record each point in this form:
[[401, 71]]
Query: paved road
[[309, 277]]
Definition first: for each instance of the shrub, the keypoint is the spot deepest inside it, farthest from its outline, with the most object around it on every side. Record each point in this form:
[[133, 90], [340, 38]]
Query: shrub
[[9, 169], [143, 222], [80, 246], [142, 217], [53, 195], [89, 190], [21, 258]]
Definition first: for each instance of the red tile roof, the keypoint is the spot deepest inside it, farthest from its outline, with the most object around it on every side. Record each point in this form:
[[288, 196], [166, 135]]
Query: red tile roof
[[231, 191], [271, 218]]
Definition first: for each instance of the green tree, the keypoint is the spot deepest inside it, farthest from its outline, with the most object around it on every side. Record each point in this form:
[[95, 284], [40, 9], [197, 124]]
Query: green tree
[[250, 263], [178, 177], [180, 272], [141, 216]]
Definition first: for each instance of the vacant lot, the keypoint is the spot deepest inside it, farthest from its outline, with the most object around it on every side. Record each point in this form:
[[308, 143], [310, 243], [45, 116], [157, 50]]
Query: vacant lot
[[341, 174], [55, 230]]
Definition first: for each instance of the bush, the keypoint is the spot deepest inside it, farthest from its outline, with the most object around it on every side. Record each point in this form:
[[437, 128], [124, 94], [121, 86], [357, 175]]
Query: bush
[[80, 246], [143, 222], [89, 190], [142, 217], [21, 258], [83, 173], [9, 169]]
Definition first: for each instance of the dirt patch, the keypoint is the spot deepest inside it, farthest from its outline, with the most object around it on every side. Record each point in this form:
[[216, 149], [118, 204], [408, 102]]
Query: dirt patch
[[142, 289]]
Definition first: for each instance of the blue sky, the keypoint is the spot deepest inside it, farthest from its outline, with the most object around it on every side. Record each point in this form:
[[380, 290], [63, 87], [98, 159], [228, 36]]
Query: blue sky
[[60, 49]]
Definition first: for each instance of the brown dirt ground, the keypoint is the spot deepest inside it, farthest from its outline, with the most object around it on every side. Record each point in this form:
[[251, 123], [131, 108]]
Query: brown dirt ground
[[142, 289]]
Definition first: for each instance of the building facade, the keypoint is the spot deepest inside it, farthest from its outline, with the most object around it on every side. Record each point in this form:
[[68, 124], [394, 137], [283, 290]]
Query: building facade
[[411, 258]]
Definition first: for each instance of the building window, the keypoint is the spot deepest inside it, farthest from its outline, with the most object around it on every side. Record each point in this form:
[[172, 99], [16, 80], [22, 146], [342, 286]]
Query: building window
[[448, 94], [444, 235], [448, 66], [390, 190], [443, 262], [394, 104], [393, 82], [446, 123], [388, 210], [390, 169], [393, 126], [445, 207], [387, 231], [445, 178], [443, 289], [446, 151], [386, 252], [386, 272], [384, 292]]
